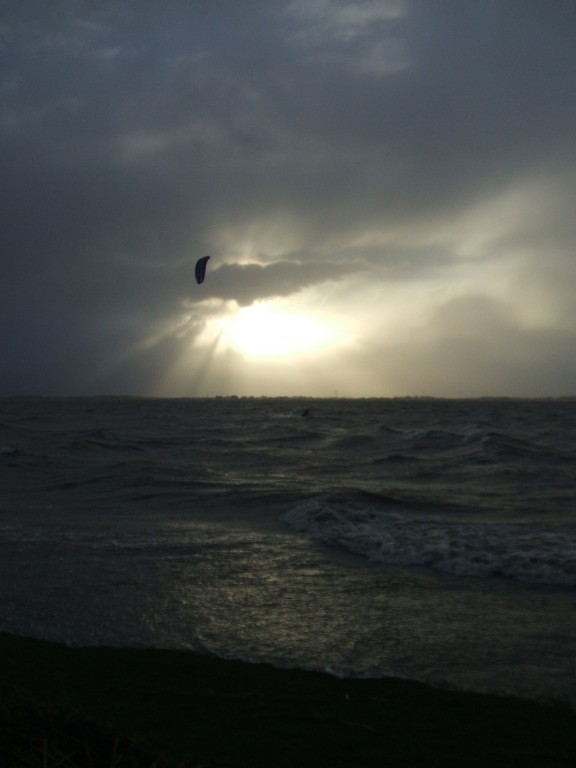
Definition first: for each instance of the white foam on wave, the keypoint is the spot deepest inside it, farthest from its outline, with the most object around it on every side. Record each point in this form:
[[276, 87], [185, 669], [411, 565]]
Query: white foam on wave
[[523, 552]]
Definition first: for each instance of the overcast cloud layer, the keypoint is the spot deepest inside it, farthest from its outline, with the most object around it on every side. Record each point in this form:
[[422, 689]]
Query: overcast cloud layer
[[404, 169]]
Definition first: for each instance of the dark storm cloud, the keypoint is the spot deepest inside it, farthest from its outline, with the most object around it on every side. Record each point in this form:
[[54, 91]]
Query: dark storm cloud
[[133, 134], [246, 283]]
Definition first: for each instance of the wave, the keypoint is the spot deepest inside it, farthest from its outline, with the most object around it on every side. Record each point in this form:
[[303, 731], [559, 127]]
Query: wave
[[468, 446], [527, 553]]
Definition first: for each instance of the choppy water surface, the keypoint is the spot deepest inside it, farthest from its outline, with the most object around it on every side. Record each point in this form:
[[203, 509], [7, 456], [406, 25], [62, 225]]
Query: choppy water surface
[[422, 538]]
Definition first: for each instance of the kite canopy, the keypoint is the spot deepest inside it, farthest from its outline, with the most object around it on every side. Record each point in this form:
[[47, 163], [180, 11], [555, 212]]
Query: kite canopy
[[201, 269]]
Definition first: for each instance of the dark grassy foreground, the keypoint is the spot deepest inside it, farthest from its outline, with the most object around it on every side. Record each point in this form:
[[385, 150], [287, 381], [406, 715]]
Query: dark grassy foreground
[[124, 708]]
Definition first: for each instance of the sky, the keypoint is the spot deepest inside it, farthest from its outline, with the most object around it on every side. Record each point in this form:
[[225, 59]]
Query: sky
[[386, 189]]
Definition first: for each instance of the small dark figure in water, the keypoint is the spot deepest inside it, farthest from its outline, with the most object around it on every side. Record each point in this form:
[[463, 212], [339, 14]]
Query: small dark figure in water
[[305, 412]]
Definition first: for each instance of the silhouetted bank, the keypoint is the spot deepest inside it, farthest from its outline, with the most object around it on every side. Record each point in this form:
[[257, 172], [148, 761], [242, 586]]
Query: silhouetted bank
[[135, 707]]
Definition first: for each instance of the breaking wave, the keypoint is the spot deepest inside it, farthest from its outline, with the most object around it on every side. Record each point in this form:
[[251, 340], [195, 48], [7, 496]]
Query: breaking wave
[[523, 552]]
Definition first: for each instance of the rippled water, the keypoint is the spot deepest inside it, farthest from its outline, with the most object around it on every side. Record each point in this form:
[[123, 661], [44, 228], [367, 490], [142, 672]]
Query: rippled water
[[421, 538]]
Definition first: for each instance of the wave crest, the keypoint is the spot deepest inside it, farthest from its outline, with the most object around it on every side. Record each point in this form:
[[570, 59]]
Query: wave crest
[[524, 552]]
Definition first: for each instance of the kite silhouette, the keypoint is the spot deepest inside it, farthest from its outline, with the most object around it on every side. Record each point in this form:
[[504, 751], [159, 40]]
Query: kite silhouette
[[200, 270]]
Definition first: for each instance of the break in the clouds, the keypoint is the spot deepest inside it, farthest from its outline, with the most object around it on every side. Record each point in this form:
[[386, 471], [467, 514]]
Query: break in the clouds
[[385, 188]]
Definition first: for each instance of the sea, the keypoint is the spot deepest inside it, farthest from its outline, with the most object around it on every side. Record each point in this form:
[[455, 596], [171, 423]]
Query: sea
[[425, 539]]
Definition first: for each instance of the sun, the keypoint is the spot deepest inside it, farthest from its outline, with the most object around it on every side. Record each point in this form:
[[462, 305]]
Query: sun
[[266, 331]]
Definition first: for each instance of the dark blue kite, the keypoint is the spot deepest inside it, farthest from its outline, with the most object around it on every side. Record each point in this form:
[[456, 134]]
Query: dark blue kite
[[201, 269]]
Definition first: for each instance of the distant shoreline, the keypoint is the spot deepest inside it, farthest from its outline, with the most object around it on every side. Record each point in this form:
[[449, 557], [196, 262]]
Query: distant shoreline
[[311, 398]]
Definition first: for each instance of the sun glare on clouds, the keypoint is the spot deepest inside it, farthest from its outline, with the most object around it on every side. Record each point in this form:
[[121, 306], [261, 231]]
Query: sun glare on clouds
[[264, 330]]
